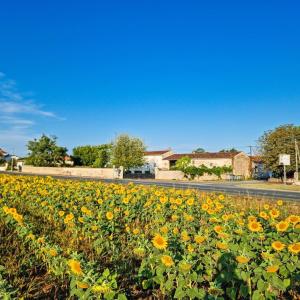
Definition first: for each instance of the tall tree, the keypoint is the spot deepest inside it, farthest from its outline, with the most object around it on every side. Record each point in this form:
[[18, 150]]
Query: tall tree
[[280, 140], [44, 152], [128, 152], [199, 150], [96, 156]]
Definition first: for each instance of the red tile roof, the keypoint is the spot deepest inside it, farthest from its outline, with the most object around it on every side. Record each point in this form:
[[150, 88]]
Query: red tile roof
[[205, 155], [158, 152]]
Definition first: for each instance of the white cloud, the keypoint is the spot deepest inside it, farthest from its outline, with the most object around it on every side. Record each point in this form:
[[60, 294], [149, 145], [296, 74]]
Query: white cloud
[[18, 114], [16, 121]]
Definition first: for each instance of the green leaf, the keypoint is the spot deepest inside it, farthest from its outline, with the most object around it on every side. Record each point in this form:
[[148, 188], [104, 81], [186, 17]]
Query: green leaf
[[231, 293], [261, 285], [169, 285], [244, 276], [110, 295], [257, 296], [278, 283], [194, 276], [106, 273], [192, 293], [286, 283], [291, 267], [179, 293], [244, 291]]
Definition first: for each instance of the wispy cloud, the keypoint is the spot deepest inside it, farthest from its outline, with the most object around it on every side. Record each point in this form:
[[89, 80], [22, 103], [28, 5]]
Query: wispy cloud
[[19, 113]]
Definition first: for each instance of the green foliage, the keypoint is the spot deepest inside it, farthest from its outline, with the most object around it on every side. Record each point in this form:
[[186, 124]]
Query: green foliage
[[232, 150], [95, 156], [6, 291], [280, 140], [183, 163], [199, 150], [128, 152], [190, 171], [2, 162], [44, 152]]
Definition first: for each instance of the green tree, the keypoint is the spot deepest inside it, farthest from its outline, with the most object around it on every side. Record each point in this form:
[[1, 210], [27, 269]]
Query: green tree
[[232, 150], [128, 152], [44, 152], [2, 161], [183, 163], [280, 140], [199, 150], [95, 156]]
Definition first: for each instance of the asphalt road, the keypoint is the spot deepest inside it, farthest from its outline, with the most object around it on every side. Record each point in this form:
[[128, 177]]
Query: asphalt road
[[228, 188]]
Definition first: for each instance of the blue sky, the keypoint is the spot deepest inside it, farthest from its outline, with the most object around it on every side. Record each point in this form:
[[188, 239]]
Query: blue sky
[[180, 74]]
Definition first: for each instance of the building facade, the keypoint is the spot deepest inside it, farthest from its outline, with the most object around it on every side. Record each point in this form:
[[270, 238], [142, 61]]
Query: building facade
[[239, 161], [153, 159]]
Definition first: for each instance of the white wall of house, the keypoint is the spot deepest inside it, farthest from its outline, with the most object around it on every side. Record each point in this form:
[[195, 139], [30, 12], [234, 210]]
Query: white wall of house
[[152, 162], [210, 162]]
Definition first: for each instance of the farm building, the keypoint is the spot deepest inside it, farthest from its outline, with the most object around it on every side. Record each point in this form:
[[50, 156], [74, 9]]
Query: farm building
[[239, 161]]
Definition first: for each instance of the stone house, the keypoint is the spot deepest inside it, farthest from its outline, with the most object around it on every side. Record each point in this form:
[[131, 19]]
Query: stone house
[[153, 159], [239, 161]]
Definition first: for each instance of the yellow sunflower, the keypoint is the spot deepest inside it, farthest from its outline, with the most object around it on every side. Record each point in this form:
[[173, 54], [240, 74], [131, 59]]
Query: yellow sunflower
[[255, 226], [274, 213], [205, 206], [160, 242], [278, 246], [82, 285], [279, 202], [272, 269], [53, 252], [282, 226], [185, 236], [264, 215], [167, 260], [252, 219], [75, 266], [294, 219], [294, 248], [109, 215], [218, 229], [242, 259], [190, 201], [199, 239], [175, 230], [222, 246]]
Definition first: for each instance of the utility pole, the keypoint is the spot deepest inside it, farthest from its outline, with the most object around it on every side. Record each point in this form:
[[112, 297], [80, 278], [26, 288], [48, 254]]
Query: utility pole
[[251, 149], [12, 160]]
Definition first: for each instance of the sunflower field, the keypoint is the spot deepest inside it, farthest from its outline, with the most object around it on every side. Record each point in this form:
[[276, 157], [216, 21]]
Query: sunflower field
[[67, 239]]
